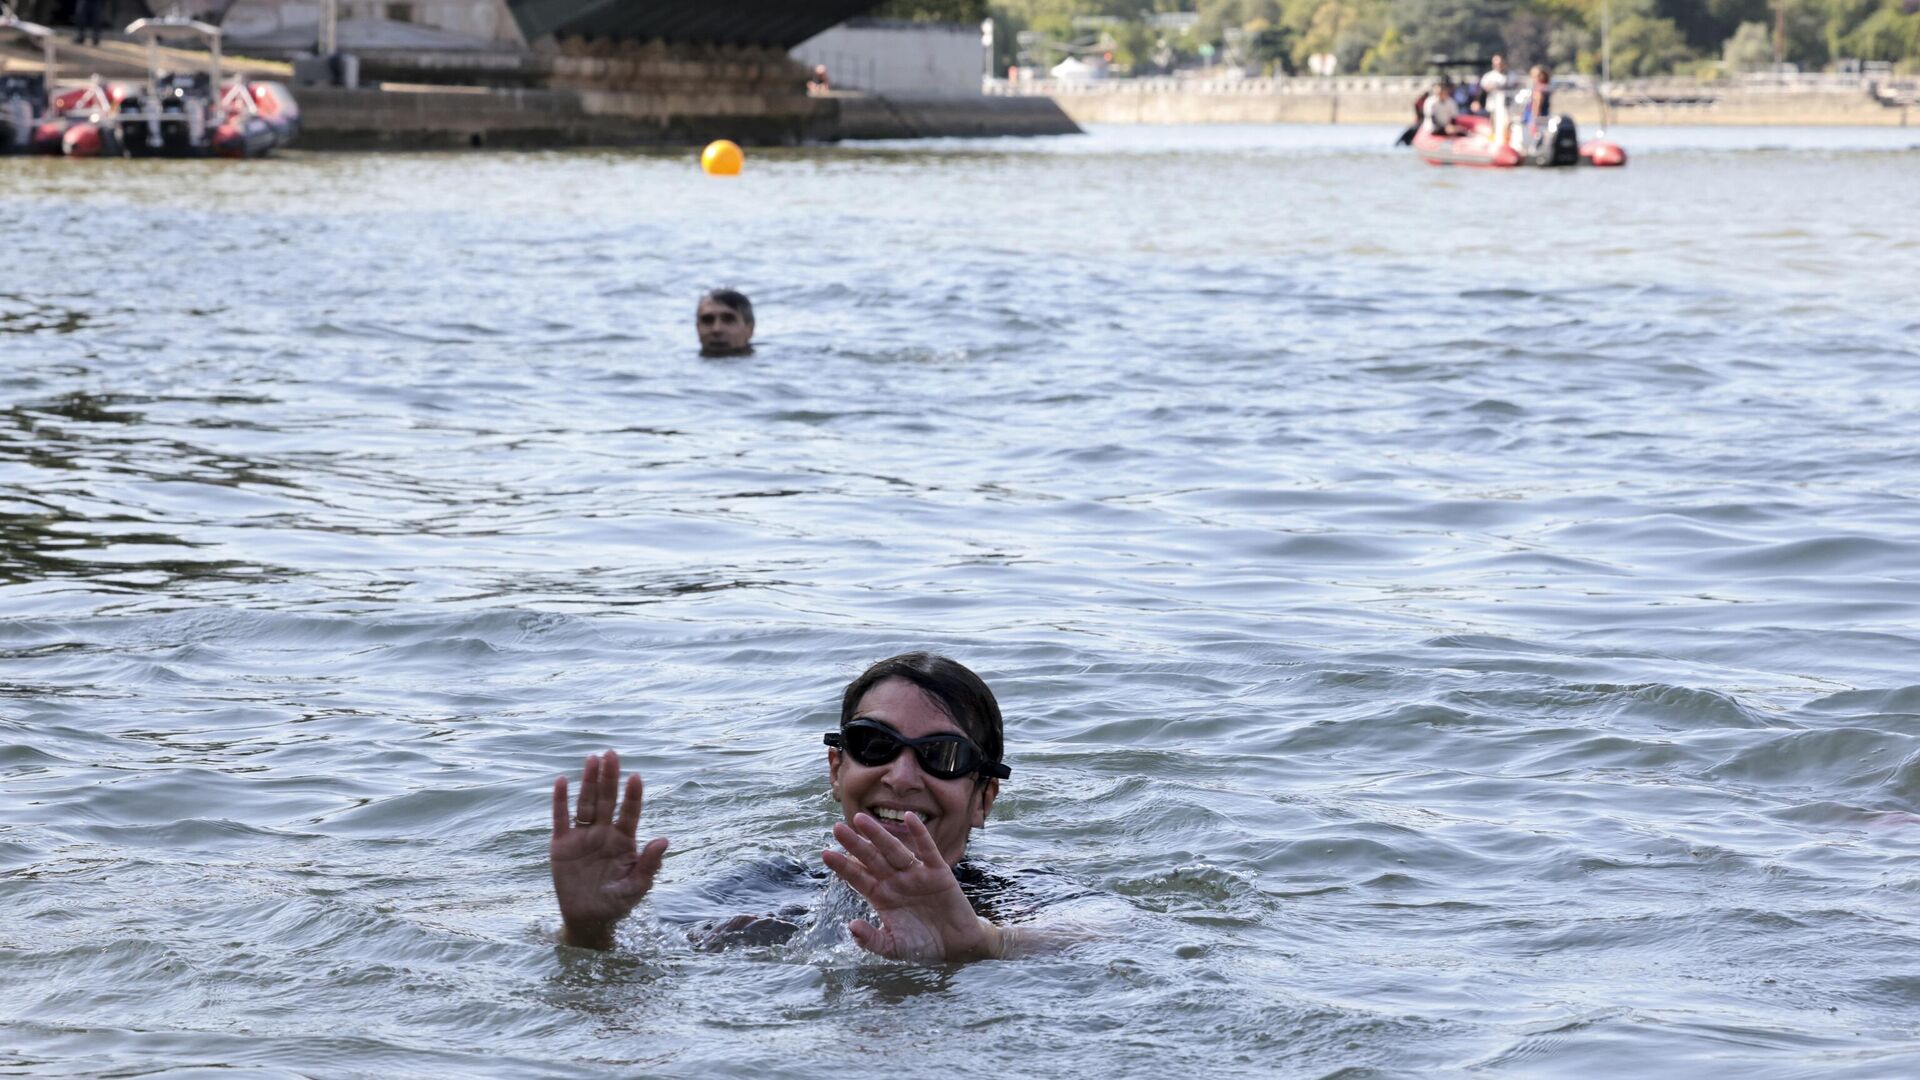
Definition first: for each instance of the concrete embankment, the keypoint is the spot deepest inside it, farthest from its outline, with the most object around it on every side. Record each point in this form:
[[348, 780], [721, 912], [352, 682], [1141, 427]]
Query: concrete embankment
[[1752, 109], [428, 118], [1248, 107], [1276, 102], [439, 118], [901, 117]]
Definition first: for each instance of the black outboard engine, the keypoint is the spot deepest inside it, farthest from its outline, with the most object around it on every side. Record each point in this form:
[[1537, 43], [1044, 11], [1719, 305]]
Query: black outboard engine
[[172, 125], [23, 100], [1558, 143]]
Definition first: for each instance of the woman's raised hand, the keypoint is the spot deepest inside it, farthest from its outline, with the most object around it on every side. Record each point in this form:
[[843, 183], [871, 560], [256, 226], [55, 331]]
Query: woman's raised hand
[[599, 872], [922, 911]]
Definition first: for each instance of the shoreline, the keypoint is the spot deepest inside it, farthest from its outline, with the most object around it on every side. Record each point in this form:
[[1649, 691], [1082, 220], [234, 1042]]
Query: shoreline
[[1732, 107]]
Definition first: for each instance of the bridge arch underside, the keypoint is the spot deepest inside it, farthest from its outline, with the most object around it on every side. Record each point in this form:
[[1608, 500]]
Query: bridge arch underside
[[779, 24]]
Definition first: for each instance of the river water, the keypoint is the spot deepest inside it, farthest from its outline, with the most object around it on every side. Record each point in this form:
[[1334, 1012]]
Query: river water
[[1465, 622]]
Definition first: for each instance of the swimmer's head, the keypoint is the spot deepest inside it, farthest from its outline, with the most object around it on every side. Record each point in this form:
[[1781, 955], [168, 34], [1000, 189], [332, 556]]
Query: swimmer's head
[[961, 694], [919, 695], [724, 321]]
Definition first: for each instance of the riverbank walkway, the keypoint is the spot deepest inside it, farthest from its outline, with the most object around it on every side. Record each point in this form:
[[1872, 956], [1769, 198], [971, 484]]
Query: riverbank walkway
[[1815, 99]]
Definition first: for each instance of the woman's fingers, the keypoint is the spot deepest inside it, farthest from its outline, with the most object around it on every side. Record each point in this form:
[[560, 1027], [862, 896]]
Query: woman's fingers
[[866, 936], [589, 790], [858, 845], [920, 840], [609, 794], [897, 854], [600, 799], [851, 871], [651, 856], [629, 819]]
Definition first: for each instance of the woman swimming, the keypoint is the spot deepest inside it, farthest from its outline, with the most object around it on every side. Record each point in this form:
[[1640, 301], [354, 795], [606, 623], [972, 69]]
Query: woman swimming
[[915, 766]]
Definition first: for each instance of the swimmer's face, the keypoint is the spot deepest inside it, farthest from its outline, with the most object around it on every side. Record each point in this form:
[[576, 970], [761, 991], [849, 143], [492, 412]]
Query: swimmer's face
[[950, 808], [722, 331]]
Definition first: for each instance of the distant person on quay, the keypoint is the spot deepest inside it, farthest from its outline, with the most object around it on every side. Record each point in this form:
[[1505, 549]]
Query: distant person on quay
[[819, 83], [87, 17], [724, 321], [915, 765]]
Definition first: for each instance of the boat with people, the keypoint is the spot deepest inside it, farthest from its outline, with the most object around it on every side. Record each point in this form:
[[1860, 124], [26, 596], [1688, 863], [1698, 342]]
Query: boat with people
[[200, 114], [1484, 123], [1555, 142]]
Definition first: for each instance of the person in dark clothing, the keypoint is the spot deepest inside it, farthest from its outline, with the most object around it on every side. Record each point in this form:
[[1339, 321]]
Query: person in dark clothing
[[88, 15]]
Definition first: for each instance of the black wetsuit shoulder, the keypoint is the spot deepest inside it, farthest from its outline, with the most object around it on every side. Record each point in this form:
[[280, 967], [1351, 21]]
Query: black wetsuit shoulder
[[768, 900]]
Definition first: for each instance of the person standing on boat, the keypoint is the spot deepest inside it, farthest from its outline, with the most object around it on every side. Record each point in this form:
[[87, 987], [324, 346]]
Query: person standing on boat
[[87, 17], [724, 321], [1539, 101], [1494, 84]]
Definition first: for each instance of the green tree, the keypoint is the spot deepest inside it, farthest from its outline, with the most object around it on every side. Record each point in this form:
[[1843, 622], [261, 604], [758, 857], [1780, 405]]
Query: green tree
[[1889, 32], [1457, 28], [945, 11], [1749, 49], [1649, 36]]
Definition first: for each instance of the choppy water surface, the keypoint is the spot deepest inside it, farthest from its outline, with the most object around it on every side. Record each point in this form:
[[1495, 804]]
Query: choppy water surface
[[1468, 620]]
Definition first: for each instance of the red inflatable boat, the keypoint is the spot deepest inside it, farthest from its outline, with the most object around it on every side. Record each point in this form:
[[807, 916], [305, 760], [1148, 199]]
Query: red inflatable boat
[[171, 115], [1552, 141], [29, 120], [198, 114]]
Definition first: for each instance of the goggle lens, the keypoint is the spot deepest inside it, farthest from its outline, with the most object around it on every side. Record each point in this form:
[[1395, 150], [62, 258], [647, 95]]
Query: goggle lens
[[947, 757]]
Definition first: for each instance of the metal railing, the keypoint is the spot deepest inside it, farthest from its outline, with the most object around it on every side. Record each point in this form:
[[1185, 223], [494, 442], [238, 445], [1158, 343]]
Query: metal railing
[[1260, 86], [1659, 89]]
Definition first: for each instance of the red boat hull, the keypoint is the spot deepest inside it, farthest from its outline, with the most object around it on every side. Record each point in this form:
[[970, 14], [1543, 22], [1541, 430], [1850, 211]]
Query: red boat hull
[[1552, 143], [1474, 151]]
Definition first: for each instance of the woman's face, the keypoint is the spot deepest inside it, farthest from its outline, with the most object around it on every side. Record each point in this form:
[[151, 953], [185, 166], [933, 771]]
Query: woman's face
[[950, 808]]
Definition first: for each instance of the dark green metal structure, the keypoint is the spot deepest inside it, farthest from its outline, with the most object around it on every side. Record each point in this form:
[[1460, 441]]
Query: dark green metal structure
[[779, 23]]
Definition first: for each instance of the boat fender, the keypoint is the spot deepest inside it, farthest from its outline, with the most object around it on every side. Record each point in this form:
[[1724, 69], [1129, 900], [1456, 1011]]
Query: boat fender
[[1603, 153], [230, 139], [47, 138], [82, 140]]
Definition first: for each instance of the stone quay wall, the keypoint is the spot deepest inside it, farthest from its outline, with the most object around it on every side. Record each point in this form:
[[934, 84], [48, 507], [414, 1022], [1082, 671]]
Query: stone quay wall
[[687, 93], [443, 118]]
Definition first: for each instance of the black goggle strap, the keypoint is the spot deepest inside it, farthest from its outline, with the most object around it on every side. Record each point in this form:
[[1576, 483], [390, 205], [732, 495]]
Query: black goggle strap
[[994, 769]]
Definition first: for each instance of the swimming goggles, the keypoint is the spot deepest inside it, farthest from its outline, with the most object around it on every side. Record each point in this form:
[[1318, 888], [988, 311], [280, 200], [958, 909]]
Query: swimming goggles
[[948, 757]]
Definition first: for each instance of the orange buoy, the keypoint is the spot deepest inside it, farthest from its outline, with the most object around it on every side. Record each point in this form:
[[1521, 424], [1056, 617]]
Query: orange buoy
[[722, 157]]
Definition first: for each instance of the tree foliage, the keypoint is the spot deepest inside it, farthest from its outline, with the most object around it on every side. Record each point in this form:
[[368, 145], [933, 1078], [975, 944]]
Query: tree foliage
[[948, 11], [1648, 37]]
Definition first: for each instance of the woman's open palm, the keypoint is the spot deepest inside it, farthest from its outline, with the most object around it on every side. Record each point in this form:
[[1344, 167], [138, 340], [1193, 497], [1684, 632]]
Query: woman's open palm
[[599, 871], [923, 914]]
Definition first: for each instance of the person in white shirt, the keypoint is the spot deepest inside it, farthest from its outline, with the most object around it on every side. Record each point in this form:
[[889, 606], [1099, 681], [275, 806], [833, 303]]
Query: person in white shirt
[[1494, 84]]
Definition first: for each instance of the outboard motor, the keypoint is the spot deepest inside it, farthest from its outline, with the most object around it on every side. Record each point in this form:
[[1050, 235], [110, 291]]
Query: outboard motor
[[1559, 143], [174, 125], [23, 100]]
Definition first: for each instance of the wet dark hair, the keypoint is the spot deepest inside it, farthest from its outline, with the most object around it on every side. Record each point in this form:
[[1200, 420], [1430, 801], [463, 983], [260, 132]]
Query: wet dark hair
[[732, 298], [957, 690]]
